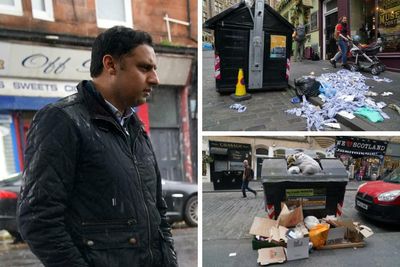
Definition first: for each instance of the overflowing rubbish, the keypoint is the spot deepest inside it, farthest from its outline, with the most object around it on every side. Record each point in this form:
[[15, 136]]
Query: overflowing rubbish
[[238, 107], [343, 91]]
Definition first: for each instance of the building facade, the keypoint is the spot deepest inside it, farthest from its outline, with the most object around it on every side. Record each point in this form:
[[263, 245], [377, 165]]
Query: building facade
[[364, 157], [369, 19], [45, 52], [221, 153]]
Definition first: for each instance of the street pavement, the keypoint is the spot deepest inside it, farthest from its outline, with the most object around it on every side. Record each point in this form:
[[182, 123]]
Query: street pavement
[[185, 239], [227, 219], [266, 109]]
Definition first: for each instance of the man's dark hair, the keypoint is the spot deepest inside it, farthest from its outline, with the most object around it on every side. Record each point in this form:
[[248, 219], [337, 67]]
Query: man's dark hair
[[116, 41]]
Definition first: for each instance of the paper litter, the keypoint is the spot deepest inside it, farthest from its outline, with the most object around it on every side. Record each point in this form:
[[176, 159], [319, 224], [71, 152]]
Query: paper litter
[[238, 107], [342, 91]]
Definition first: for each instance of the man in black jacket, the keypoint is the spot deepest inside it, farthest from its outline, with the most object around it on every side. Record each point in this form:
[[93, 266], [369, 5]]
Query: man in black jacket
[[92, 188]]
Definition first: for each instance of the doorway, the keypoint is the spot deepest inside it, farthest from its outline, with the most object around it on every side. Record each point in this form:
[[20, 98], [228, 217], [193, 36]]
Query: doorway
[[330, 19]]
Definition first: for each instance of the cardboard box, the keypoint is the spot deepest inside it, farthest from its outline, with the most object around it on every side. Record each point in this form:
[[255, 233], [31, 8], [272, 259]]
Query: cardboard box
[[297, 249], [269, 229], [290, 218], [271, 255]]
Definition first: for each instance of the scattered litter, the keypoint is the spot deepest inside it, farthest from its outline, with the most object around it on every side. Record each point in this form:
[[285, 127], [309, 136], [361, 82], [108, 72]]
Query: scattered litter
[[377, 79], [371, 93], [395, 107], [238, 107], [312, 73], [341, 91], [325, 68], [232, 254], [295, 100], [386, 94], [333, 125], [346, 114]]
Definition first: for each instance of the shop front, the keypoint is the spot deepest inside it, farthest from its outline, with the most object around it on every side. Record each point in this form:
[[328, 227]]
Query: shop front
[[363, 158], [374, 19], [226, 168], [392, 158]]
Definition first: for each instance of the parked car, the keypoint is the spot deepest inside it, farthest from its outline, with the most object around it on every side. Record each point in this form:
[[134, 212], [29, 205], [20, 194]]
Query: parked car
[[380, 200], [181, 199], [9, 191]]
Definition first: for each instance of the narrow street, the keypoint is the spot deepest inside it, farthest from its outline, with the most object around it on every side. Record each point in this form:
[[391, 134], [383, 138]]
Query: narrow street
[[227, 219], [20, 255]]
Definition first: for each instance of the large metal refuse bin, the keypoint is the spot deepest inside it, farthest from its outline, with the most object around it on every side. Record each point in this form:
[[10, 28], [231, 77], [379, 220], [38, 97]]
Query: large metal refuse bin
[[256, 39], [320, 194], [227, 180]]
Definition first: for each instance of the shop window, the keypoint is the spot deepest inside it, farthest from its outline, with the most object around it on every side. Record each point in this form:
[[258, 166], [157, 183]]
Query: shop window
[[43, 9], [262, 151], [279, 153], [314, 21], [11, 7], [331, 5], [119, 13], [388, 26]]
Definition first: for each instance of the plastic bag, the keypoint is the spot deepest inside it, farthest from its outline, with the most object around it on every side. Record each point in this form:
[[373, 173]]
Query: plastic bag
[[319, 234], [307, 86], [310, 222], [370, 114]]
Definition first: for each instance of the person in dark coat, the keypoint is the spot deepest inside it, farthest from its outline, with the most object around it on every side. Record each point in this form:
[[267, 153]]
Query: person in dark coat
[[248, 174], [91, 193]]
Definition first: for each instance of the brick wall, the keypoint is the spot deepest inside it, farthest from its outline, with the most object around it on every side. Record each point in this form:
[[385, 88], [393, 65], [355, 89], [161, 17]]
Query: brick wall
[[78, 18]]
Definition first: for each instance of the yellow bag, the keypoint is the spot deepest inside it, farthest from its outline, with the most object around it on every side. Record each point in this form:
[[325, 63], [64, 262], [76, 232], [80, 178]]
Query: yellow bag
[[318, 234]]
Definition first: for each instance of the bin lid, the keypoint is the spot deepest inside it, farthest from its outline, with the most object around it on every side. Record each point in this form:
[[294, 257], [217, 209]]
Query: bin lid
[[234, 13], [274, 170]]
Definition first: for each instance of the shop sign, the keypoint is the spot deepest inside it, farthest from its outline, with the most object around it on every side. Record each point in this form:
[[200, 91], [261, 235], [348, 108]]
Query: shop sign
[[230, 145], [36, 88], [31, 61], [53, 63], [389, 13], [358, 146]]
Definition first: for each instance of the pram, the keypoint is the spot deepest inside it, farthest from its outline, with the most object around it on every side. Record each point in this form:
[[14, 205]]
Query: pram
[[365, 57]]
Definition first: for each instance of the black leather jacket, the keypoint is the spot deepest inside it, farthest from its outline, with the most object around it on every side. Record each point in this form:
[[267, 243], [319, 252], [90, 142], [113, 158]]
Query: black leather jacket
[[92, 193]]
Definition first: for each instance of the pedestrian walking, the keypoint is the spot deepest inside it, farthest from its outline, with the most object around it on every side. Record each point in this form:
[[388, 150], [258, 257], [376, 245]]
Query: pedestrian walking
[[248, 174], [299, 36], [91, 194], [342, 37]]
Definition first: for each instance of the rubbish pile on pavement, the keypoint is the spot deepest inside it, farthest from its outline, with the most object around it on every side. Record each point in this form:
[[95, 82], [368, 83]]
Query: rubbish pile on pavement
[[344, 91], [292, 237]]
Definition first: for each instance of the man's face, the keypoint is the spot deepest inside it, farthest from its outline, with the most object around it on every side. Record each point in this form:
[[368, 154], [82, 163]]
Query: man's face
[[135, 75], [245, 163]]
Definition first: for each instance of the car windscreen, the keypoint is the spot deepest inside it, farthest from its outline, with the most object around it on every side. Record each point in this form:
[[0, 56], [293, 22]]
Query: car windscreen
[[393, 177]]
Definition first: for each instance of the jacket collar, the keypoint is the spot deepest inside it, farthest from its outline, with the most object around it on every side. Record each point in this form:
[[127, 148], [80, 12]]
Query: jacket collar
[[97, 106]]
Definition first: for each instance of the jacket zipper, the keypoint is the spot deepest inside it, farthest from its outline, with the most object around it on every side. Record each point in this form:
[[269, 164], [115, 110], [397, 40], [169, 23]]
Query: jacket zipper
[[128, 222], [142, 195], [140, 178]]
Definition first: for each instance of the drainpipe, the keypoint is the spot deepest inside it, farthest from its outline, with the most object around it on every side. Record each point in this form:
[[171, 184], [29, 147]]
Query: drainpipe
[[189, 19]]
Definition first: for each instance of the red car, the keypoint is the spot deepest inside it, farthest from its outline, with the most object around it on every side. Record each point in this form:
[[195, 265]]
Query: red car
[[380, 200]]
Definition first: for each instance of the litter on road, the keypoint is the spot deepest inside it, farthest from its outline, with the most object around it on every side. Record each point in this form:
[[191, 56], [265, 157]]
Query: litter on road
[[238, 107], [343, 91]]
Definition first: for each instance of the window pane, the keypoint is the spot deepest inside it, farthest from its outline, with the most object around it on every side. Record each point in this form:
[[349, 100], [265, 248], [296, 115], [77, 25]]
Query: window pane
[[116, 11], [7, 2], [38, 5]]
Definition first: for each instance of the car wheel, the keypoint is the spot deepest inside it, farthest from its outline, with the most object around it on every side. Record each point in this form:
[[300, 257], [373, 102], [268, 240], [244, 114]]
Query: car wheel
[[190, 215]]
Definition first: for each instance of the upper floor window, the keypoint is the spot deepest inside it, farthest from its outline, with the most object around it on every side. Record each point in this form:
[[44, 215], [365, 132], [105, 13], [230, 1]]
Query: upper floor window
[[119, 13], [43, 9], [11, 7]]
